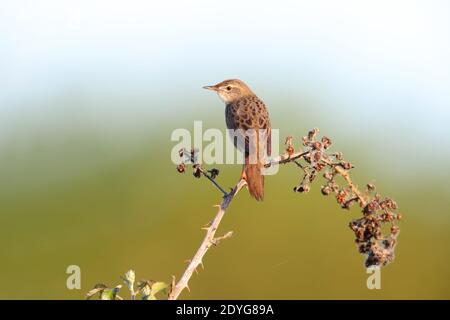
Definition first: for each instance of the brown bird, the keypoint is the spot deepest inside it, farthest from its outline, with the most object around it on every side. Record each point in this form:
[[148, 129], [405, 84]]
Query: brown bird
[[247, 115]]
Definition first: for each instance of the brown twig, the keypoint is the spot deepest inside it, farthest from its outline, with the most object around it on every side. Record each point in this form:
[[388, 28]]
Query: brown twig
[[286, 158], [208, 241], [345, 174]]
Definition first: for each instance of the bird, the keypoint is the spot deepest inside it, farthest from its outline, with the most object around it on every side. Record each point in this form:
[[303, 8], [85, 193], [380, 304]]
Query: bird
[[247, 116]]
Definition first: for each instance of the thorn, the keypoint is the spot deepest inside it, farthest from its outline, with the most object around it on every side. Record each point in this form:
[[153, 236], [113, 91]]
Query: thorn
[[173, 284], [227, 235], [187, 287], [207, 226], [215, 241], [201, 263], [187, 261]]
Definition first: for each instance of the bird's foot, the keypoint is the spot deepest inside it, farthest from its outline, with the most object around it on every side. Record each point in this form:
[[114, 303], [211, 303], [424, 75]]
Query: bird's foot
[[243, 175]]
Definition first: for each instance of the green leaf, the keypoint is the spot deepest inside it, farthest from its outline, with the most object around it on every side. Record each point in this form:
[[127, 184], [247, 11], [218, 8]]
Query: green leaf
[[107, 294], [156, 287], [110, 294], [160, 287]]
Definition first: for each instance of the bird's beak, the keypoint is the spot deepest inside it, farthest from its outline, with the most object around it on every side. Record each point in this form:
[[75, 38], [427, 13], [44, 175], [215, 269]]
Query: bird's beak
[[213, 88]]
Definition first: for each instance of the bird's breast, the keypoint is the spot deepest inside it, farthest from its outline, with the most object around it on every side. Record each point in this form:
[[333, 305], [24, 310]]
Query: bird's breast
[[247, 113]]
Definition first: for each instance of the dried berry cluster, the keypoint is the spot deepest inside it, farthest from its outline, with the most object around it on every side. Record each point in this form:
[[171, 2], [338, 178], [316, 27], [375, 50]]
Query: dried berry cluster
[[187, 157], [314, 159], [379, 248], [191, 157], [376, 211]]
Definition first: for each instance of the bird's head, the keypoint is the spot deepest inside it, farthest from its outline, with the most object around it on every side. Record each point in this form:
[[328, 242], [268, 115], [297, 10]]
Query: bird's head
[[230, 90]]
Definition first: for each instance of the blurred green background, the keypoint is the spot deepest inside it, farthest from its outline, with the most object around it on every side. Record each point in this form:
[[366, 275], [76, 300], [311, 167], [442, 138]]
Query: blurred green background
[[91, 92]]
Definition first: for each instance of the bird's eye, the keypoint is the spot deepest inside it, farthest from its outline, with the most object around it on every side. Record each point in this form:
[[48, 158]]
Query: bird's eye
[[228, 88]]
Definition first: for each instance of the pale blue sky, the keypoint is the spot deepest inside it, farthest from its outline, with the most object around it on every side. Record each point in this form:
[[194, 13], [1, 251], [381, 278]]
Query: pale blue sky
[[372, 60]]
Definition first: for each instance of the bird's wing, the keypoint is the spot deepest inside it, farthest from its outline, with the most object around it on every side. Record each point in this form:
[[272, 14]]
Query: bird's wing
[[246, 114]]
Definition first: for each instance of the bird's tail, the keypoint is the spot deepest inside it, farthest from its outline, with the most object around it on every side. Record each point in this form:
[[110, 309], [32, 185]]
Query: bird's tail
[[255, 181]]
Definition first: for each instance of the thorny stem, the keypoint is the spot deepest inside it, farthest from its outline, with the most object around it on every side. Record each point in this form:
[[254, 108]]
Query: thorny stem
[[379, 249], [208, 241]]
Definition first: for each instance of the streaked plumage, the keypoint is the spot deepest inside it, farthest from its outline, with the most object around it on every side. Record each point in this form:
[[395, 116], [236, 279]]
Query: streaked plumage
[[245, 111]]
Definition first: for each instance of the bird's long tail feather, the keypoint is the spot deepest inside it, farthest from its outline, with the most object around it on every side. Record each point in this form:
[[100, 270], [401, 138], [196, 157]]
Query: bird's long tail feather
[[255, 181]]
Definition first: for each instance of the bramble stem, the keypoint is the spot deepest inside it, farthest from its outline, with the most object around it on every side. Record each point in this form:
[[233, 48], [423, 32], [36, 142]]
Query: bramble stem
[[207, 242]]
